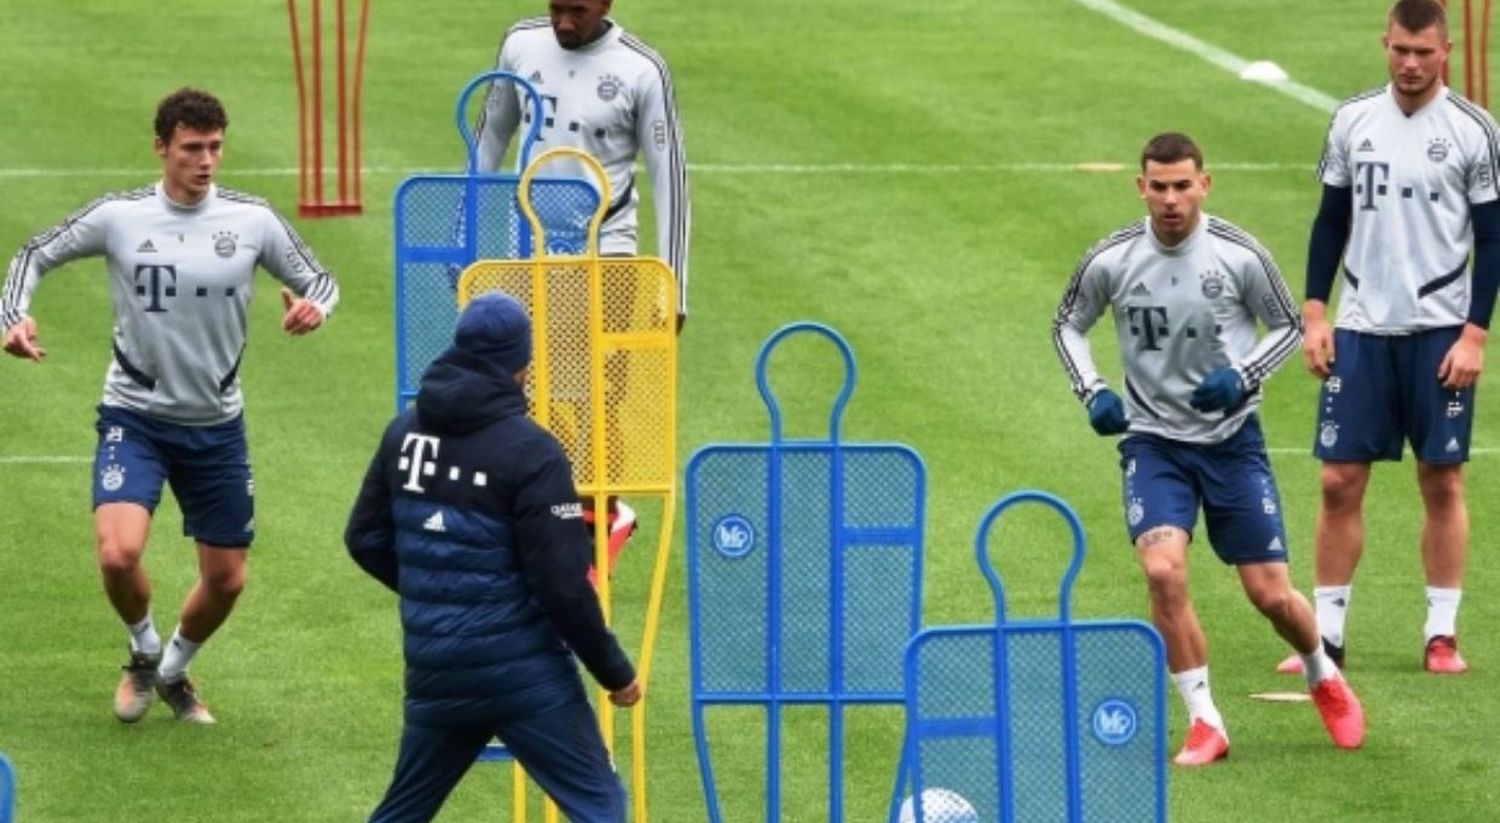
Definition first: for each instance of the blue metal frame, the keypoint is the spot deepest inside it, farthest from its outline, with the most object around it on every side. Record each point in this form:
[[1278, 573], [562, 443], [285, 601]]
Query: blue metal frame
[[841, 536], [998, 727], [457, 256], [7, 790]]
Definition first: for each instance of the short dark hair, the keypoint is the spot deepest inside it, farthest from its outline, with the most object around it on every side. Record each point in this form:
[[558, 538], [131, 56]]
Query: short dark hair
[[1171, 147], [1417, 15], [189, 107]]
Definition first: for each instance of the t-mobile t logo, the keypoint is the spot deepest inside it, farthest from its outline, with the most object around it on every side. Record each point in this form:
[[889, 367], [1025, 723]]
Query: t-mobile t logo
[[154, 283], [1148, 322], [418, 460], [1370, 182]]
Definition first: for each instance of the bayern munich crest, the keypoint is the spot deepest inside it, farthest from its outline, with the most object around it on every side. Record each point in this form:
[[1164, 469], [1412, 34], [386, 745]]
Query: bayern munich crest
[[224, 243], [112, 477], [1328, 435], [1213, 284], [1135, 512], [1437, 150], [609, 87]]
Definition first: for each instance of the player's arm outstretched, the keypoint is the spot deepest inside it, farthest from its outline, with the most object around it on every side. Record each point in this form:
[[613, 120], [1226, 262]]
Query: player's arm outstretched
[[1083, 302], [81, 235], [311, 292]]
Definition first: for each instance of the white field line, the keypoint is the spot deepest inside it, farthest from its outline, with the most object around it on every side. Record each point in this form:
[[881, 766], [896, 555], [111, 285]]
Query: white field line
[[1232, 63], [1122, 14], [1096, 167]]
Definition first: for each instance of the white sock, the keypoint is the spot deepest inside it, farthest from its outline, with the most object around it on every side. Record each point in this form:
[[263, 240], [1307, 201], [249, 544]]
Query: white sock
[[1333, 605], [143, 636], [1192, 684], [178, 655], [1442, 611], [1318, 666]]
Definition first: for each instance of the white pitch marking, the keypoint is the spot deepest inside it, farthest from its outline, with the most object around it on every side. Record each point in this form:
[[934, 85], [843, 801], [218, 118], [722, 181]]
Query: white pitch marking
[[1232, 63], [1282, 697], [41, 459], [793, 169]]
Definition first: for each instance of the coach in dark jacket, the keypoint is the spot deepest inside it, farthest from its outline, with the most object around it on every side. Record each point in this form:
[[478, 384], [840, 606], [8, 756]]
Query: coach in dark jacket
[[469, 513]]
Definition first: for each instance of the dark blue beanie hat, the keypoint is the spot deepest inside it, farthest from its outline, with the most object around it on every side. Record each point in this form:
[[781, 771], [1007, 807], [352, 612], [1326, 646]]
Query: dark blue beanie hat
[[496, 328]]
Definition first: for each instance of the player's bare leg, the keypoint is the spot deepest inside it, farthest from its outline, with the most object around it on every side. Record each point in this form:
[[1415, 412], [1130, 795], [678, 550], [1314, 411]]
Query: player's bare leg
[[1269, 587], [1163, 556], [1340, 542], [1341, 522], [221, 578], [1445, 543], [120, 531]]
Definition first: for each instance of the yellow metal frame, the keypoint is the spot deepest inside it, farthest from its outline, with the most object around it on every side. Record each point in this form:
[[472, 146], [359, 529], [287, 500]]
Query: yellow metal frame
[[598, 486]]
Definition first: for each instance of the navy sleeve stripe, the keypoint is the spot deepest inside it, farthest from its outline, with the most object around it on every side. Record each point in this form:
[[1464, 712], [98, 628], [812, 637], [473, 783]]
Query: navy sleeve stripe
[[677, 166], [1486, 127], [12, 297], [1070, 297], [1261, 368]]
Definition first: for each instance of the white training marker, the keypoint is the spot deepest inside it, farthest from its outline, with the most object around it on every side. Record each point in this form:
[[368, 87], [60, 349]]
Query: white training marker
[[1264, 71], [1282, 697]]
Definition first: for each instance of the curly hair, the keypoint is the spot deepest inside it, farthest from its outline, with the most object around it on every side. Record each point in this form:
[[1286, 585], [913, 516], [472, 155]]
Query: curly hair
[[193, 108]]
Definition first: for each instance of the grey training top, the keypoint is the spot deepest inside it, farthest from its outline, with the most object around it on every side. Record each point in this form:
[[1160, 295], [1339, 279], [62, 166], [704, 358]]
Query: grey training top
[[1180, 313], [180, 279]]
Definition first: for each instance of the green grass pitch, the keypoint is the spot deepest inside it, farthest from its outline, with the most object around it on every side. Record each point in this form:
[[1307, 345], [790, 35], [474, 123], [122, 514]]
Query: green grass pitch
[[940, 253]]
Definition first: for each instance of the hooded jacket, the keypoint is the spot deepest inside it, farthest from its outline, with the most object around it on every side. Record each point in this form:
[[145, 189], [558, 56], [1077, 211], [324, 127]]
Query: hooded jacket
[[469, 513]]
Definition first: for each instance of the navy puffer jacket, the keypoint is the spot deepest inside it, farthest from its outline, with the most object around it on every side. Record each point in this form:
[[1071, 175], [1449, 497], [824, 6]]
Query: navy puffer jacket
[[469, 513]]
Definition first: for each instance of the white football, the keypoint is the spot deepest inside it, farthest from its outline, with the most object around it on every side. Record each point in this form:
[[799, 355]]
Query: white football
[[939, 806]]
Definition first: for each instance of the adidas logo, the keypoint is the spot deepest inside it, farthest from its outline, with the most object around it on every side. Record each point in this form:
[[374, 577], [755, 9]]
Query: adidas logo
[[1275, 545], [536, 77], [1453, 445], [1140, 290], [146, 247], [1340, 602], [1366, 145], [435, 523]]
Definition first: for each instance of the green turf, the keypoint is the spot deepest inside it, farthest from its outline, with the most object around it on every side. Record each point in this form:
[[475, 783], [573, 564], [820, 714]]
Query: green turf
[[944, 281]]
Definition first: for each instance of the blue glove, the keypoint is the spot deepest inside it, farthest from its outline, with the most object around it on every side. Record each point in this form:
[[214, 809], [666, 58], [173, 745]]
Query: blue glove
[[1107, 413], [1221, 389]]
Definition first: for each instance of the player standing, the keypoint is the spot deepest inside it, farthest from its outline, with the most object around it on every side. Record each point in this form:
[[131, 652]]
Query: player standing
[[604, 91], [1408, 177]]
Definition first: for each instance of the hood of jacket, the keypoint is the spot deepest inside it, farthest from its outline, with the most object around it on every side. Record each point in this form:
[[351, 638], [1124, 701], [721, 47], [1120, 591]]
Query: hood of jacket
[[462, 392]]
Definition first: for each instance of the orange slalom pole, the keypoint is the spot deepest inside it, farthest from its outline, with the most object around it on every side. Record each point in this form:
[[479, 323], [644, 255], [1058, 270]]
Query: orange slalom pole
[[302, 177], [359, 90], [317, 129]]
